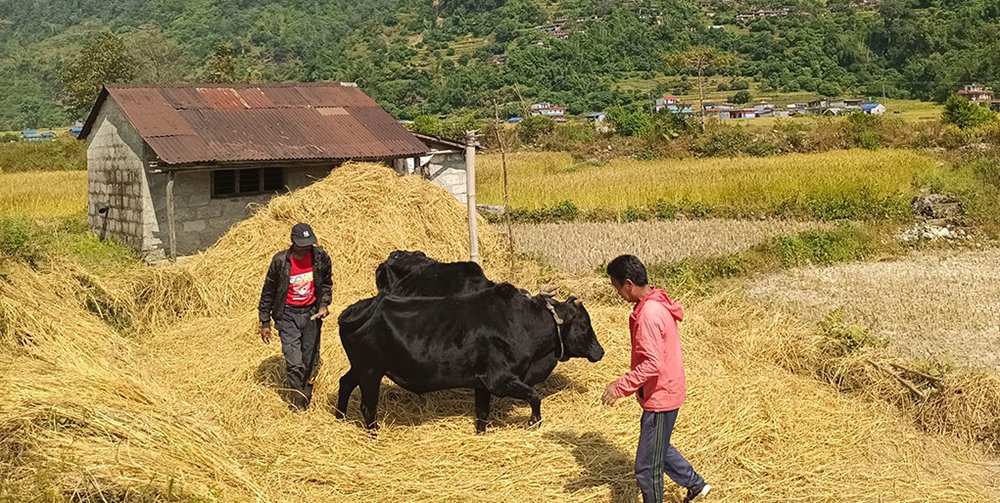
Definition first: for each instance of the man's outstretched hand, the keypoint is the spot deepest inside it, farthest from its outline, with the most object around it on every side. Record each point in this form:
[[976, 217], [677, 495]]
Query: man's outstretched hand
[[609, 397]]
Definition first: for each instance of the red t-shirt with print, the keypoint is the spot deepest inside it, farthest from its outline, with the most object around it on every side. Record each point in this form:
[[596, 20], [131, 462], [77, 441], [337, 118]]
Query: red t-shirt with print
[[301, 290]]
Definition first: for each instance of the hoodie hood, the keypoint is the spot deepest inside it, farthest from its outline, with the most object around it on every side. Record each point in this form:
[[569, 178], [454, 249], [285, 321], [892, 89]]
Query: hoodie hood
[[659, 296]]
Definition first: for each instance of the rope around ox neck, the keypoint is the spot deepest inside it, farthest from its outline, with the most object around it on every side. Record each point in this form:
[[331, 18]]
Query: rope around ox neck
[[559, 323]]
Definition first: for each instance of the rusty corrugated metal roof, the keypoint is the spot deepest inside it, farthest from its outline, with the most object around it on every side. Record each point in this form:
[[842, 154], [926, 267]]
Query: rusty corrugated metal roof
[[218, 124]]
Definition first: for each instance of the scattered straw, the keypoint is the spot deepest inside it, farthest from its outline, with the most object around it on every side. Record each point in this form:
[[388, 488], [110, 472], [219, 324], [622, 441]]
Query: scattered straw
[[190, 408]]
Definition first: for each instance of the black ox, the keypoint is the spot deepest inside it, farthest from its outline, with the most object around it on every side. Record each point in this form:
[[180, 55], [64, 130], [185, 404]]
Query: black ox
[[492, 338], [413, 274]]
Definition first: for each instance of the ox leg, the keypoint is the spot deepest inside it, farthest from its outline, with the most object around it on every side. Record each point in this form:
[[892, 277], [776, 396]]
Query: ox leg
[[348, 382], [370, 382], [510, 385], [482, 409]]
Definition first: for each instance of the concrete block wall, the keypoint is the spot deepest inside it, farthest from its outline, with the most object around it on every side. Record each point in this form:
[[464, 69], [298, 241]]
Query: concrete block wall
[[444, 170], [448, 171], [201, 220], [115, 178]]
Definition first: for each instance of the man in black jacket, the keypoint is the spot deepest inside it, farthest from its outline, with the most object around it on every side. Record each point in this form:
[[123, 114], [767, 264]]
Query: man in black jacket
[[297, 295]]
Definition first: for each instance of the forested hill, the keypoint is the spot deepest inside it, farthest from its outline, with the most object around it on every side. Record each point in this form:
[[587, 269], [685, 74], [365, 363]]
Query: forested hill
[[458, 56]]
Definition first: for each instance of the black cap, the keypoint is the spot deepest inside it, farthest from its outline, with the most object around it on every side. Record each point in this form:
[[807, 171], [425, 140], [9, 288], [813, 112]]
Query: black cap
[[303, 235]]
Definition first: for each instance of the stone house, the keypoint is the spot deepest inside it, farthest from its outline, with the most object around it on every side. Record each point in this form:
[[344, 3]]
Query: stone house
[[171, 168], [444, 164]]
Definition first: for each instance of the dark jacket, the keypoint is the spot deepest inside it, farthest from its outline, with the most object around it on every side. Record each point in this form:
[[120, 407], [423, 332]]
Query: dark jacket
[[275, 291]]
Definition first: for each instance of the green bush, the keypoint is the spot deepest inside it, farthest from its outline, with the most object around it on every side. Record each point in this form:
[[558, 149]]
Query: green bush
[[667, 125], [822, 247], [664, 209], [18, 240], [629, 123], [569, 137], [862, 205], [633, 214], [427, 124], [698, 209], [741, 97], [532, 128], [739, 84], [724, 141], [847, 338], [794, 135], [565, 210], [863, 130], [964, 114]]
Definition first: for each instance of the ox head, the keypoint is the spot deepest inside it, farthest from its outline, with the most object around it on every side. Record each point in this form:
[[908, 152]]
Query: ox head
[[579, 338], [399, 264]]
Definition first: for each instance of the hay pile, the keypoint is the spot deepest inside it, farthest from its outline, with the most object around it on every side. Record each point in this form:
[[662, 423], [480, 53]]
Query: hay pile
[[190, 408], [360, 214]]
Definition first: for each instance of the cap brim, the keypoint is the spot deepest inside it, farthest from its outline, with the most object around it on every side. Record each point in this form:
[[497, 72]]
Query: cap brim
[[303, 241]]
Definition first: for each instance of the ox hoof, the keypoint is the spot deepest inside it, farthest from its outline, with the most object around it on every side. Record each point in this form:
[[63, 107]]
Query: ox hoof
[[533, 423], [339, 414]]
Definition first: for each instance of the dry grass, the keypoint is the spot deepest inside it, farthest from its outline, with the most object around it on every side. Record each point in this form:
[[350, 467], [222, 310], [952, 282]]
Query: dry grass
[[189, 409], [938, 305], [43, 194], [582, 247], [738, 186]]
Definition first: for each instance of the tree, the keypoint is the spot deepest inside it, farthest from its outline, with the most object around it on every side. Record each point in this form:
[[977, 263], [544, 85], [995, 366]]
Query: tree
[[103, 61], [828, 89], [534, 127], [629, 123], [700, 59], [221, 65], [965, 114], [741, 97], [157, 57]]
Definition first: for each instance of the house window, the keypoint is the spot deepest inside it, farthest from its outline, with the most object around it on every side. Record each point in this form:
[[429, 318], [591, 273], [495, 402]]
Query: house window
[[247, 182]]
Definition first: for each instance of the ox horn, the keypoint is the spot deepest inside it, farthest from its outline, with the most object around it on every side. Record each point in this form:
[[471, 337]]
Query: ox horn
[[578, 302]]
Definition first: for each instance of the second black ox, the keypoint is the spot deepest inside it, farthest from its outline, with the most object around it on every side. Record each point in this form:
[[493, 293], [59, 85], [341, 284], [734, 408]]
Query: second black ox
[[414, 274], [497, 341]]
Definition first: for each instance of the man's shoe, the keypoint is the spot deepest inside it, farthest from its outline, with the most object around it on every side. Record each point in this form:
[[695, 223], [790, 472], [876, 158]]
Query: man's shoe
[[697, 493]]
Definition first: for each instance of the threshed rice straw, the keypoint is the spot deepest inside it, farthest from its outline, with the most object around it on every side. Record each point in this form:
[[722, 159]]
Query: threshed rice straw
[[179, 399]]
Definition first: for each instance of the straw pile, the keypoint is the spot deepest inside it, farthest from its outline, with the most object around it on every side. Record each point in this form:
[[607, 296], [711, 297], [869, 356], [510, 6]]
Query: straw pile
[[190, 408]]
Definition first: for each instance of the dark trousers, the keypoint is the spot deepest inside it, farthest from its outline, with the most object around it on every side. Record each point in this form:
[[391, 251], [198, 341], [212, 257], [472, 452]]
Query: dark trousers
[[657, 456], [300, 345]]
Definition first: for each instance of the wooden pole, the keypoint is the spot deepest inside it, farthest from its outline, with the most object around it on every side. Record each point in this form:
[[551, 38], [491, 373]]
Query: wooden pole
[[171, 227], [470, 191]]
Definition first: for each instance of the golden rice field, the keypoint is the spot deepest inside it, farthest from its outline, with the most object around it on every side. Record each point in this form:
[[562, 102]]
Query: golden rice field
[[181, 400], [737, 185], [578, 247], [43, 194], [939, 306]]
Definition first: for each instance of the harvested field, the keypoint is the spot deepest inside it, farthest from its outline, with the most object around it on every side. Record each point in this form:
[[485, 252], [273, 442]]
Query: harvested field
[[583, 246], [938, 305], [184, 404]]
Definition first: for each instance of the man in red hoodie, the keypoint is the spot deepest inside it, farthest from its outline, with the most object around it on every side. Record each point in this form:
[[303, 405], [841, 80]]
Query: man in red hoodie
[[657, 380]]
